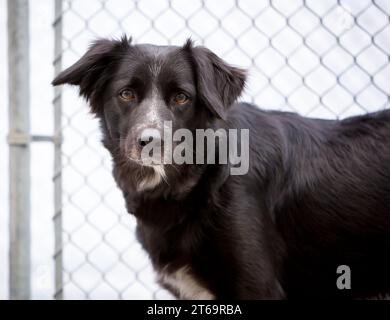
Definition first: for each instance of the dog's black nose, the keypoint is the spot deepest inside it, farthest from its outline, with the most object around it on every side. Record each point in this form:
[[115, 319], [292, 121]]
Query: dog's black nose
[[149, 135]]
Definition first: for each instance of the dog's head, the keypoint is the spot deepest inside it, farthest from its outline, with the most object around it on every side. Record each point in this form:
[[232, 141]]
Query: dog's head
[[136, 89]]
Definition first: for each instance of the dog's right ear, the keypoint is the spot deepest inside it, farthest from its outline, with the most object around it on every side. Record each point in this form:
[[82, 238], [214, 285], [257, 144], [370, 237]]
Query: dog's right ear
[[87, 72]]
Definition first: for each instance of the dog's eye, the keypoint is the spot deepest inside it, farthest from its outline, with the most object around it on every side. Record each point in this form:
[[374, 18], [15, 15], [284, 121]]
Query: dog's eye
[[180, 98], [127, 95]]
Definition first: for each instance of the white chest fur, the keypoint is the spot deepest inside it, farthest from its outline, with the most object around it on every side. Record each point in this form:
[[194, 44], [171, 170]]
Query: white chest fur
[[185, 284]]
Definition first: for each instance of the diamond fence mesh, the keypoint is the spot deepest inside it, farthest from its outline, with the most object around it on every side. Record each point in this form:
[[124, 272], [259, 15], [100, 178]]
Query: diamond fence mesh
[[327, 59]]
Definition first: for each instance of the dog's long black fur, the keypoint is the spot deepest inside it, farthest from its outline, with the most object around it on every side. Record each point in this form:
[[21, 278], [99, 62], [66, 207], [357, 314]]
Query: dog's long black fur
[[317, 194]]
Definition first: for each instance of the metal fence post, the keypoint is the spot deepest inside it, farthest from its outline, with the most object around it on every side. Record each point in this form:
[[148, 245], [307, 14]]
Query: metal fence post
[[57, 178], [19, 148]]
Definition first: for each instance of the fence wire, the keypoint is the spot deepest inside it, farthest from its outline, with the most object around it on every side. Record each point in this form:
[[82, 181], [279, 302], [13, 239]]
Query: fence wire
[[327, 59]]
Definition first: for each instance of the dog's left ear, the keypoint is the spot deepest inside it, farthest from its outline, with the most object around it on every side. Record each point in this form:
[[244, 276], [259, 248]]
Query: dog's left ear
[[218, 84]]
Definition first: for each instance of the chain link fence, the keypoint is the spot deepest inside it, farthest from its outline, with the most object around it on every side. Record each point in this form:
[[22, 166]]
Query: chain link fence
[[327, 59]]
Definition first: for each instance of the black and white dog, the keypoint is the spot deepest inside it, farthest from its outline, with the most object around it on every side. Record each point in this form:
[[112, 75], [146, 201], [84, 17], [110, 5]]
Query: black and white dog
[[316, 195]]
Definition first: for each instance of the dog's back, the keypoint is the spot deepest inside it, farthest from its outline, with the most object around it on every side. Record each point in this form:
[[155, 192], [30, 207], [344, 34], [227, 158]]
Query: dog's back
[[329, 195]]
